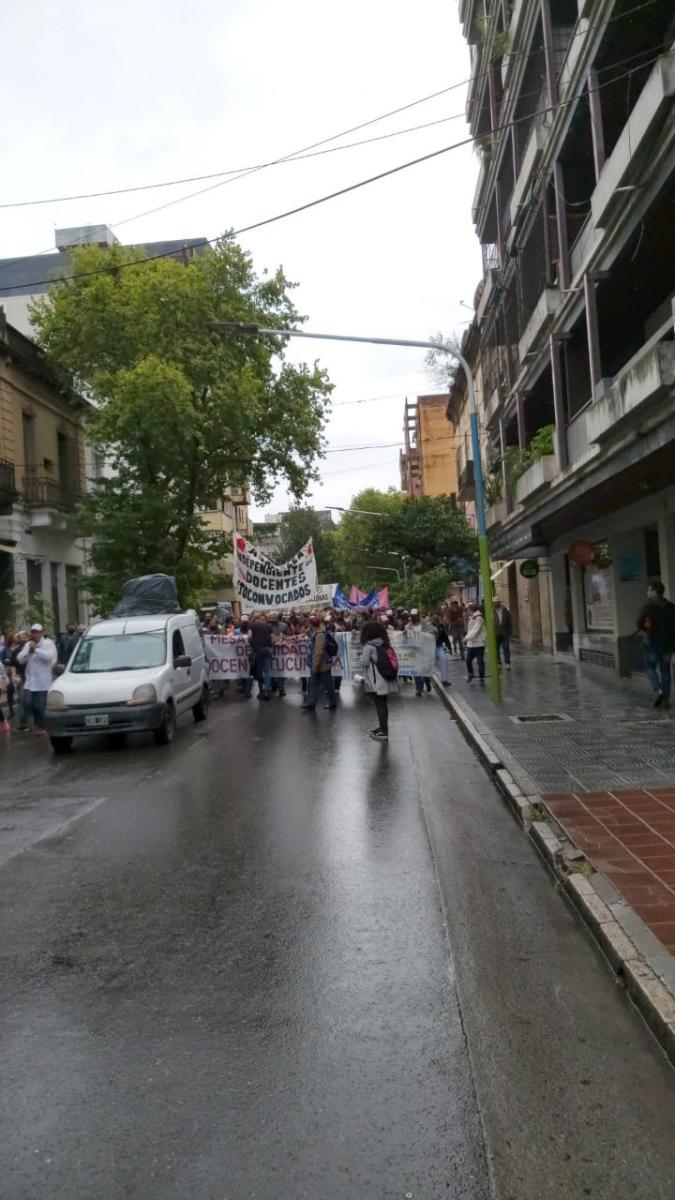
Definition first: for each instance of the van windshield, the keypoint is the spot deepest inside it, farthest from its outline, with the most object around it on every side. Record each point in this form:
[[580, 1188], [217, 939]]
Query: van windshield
[[123, 652]]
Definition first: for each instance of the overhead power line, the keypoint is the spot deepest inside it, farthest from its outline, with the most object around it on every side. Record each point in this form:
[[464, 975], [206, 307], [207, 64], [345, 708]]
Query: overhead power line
[[305, 150], [340, 191]]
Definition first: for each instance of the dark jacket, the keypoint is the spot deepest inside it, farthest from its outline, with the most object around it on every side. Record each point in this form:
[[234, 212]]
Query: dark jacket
[[319, 664], [442, 638], [657, 622], [503, 627]]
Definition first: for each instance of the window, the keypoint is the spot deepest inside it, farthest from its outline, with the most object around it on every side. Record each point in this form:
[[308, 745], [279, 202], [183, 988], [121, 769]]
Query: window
[[73, 594], [177, 644], [28, 428], [33, 579], [54, 579], [123, 652]]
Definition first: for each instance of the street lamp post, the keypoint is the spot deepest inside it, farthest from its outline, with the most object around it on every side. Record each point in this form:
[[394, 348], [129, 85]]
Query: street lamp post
[[246, 328]]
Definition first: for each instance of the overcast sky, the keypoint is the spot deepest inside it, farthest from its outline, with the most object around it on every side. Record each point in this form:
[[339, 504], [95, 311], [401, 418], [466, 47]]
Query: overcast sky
[[105, 95]]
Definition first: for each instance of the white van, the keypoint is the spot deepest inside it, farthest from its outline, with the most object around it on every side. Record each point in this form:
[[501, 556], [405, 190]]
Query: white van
[[129, 674]]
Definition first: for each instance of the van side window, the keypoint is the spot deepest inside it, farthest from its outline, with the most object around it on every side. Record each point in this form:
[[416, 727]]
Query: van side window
[[177, 644]]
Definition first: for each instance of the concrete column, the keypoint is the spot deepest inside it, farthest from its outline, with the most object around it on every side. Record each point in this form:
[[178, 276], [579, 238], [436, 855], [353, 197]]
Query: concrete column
[[505, 483], [561, 223], [520, 415], [597, 131], [578, 606], [629, 564], [666, 530], [562, 457], [558, 594], [593, 331], [547, 28]]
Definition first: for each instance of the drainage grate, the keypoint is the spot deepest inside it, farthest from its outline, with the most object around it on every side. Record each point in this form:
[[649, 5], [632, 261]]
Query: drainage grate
[[540, 718]]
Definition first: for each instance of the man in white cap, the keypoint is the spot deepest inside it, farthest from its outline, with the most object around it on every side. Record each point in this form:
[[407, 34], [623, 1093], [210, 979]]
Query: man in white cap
[[38, 657]]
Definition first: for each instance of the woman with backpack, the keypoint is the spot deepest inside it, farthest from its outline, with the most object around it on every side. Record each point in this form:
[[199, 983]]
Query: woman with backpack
[[380, 671]]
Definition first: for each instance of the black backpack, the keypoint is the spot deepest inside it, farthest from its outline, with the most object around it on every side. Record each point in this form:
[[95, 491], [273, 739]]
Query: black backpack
[[330, 648], [665, 630]]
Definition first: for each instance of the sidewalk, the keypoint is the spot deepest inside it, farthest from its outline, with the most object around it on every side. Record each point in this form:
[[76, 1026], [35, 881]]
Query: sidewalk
[[603, 770]]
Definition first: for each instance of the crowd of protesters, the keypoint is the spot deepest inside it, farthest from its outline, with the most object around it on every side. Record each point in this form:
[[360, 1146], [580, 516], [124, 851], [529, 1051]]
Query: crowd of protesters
[[454, 627]]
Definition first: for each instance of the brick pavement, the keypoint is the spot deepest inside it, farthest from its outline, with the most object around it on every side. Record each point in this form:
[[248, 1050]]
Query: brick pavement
[[606, 772]]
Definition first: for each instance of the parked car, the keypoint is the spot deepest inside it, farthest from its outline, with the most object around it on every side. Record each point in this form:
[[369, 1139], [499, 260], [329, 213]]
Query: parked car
[[129, 674]]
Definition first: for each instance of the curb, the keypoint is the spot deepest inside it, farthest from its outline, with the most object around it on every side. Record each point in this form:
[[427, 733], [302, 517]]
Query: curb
[[650, 995]]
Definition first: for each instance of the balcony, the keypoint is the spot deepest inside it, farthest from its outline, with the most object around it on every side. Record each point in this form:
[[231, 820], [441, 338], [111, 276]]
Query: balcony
[[626, 162], [49, 500], [496, 513], [647, 379], [531, 158], [542, 316], [8, 491], [539, 475]]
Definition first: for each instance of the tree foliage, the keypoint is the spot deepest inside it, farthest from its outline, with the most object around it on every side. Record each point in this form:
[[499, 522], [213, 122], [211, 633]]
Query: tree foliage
[[360, 543], [180, 412], [428, 532], [297, 527]]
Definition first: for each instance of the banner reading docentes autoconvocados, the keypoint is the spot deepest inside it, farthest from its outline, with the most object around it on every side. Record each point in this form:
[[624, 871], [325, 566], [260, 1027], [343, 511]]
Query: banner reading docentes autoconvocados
[[263, 586]]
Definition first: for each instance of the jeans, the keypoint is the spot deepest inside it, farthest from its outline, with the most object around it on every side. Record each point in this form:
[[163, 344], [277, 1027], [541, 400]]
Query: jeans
[[504, 645], [36, 703], [322, 679], [657, 669], [477, 652], [382, 710], [420, 681], [263, 668]]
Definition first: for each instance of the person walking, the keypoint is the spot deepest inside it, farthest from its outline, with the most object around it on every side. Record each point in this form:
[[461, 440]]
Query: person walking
[[261, 647], [66, 642], [417, 625], [280, 630], [475, 639], [323, 655], [657, 625], [503, 627], [39, 656], [457, 627], [378, 657]]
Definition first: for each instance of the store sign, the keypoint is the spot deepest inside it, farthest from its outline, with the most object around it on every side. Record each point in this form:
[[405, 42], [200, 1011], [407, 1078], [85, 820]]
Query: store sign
[[529, 568], [599, 599]]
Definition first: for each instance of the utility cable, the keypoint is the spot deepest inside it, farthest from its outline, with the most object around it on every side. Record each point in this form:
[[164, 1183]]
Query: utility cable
[[584, 32], [329, 196]]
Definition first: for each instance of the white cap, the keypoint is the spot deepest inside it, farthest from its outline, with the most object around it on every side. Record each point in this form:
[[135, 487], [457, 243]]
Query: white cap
[[36, 628], [414, 612]]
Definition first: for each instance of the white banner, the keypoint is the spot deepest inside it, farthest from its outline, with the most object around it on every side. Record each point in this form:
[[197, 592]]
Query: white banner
[[228, 657], [263, 586]]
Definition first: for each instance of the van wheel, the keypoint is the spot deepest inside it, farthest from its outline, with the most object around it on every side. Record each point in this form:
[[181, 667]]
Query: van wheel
[[61, 745], [201, 708], [167, 730]]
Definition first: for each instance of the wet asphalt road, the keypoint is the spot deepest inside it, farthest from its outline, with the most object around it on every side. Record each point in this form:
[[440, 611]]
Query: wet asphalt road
[[228, 971]]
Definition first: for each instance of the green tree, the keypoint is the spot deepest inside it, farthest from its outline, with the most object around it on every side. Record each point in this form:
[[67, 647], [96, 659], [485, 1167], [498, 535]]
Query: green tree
[[431, 533], [360, 539], [297, 527], [180, 412]]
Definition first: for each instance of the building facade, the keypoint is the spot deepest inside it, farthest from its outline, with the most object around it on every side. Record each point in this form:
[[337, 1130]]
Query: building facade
[[572, 104], [43, 474], [230, 514], [428, 461]]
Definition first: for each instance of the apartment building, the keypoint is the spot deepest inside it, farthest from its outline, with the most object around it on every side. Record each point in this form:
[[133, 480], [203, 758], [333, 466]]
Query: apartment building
[[42, 476], [428, 461], [572, 106], [228, 514]]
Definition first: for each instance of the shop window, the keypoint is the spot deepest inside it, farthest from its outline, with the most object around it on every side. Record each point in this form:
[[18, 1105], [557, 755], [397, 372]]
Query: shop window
[[599, 592]]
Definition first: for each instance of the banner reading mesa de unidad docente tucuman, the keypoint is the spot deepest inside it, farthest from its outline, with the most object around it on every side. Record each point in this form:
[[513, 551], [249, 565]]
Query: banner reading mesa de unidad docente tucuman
[[229, 657]]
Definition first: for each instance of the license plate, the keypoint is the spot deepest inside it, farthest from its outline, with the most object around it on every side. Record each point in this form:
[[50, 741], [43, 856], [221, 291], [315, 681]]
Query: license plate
[[97, 721]]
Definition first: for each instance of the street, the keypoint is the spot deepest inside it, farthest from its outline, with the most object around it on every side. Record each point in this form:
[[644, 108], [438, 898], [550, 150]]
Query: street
[[276, 959]]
